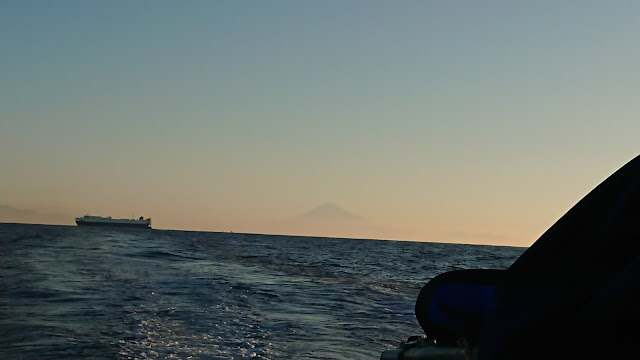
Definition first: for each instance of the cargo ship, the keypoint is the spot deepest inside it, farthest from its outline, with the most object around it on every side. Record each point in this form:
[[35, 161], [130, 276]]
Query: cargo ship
[[89, 220]]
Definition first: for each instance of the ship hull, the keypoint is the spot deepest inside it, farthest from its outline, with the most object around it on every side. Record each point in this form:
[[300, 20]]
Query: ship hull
[[113, 224]]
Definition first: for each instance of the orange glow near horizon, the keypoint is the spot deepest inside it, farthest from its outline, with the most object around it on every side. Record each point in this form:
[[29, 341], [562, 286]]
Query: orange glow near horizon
[[423, 120]]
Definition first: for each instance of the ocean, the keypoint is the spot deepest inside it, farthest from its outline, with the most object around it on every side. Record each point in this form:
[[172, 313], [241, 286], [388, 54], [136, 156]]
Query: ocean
[[71, 292]]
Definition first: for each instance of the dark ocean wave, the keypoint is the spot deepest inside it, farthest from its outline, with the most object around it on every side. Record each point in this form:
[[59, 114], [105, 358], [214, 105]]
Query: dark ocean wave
[[166, 255]]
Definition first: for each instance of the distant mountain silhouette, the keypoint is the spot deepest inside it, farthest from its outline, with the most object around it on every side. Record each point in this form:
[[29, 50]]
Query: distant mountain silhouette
[[331, 220], [331, 212]]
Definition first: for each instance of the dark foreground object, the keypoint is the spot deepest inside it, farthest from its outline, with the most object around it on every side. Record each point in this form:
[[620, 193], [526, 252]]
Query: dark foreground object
[[575, 293]]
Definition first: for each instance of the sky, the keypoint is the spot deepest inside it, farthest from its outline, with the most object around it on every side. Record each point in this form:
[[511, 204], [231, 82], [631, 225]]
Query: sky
[[467, 122]]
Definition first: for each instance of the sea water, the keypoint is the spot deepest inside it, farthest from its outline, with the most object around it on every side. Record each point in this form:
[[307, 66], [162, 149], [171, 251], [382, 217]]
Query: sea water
[[97, 293]]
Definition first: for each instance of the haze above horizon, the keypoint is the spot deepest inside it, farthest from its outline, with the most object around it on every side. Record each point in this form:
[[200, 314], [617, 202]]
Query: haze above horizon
[[467, 122]]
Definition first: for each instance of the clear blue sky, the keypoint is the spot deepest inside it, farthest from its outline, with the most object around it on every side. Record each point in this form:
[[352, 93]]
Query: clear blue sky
[[466, 121]]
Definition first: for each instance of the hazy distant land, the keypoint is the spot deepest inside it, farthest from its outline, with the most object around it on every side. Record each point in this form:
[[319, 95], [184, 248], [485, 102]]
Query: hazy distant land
[[326, 220], [10, 214]]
